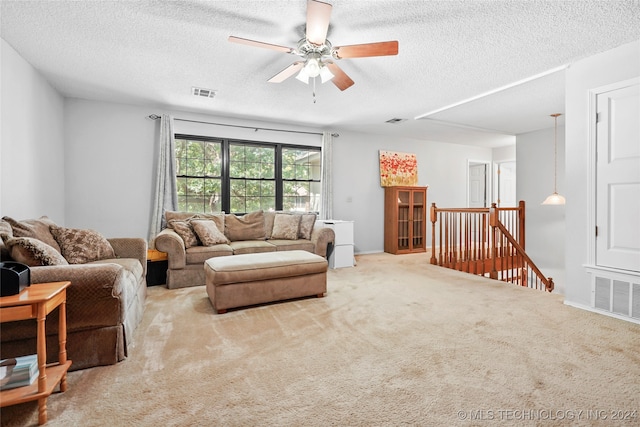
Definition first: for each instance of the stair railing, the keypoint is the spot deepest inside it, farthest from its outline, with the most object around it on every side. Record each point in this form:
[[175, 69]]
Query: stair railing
[[485, 241]]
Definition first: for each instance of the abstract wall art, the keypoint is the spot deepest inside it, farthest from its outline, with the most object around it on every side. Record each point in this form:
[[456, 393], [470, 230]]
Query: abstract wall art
[[398, 169]]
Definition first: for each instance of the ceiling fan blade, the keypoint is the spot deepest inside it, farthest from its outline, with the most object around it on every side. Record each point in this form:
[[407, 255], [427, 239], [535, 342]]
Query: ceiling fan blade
[[367, 49], [248, 42], [340, 78], [287, 72], [318, 15]]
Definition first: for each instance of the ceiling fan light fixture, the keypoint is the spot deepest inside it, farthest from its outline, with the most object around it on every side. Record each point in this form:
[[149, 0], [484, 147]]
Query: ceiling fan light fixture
[[313, 67], [325, 73], [303, 76]]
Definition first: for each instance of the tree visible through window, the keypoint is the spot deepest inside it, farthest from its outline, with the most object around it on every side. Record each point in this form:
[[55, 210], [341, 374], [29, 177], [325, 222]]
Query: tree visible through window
[[301, 179], [252, 173], [199, 175], [215, 175]]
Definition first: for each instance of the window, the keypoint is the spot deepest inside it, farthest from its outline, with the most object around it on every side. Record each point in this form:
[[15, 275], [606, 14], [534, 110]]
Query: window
[[215, 175], [252, 173], [199, 175], [301, 179]]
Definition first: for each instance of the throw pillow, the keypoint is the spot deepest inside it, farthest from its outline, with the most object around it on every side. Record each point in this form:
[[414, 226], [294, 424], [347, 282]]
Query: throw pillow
[[307, 222], [36, 228], [247, 227], [5, 231], [33, 252], [177, 216], [185, 231], [285, 227], [208, 232], [269, 216], [218, 218], [80, 246]]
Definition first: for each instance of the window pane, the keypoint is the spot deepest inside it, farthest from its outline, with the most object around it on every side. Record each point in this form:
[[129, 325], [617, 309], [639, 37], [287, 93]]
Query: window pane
[[250, 161], [213, 159], [296, 196], [315, 189], [236, 169], [288, 171], [315, 171], [268, 170], [213, 193], [195, 158], [236, 152], [302, 171], [238, 195], [253, 204], [289, 163], [268, 189], [251, 195]]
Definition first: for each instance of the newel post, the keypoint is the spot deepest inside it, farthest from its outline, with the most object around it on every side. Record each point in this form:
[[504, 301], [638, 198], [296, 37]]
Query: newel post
[[434, 218], [493, 223], [550, 286]]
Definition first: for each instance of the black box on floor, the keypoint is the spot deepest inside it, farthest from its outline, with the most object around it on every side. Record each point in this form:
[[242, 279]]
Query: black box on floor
[[14, 277], [157, 272]]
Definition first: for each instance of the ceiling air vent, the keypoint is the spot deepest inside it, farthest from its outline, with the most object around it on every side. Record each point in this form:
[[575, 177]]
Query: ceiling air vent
[[207, 93], [394, 121]]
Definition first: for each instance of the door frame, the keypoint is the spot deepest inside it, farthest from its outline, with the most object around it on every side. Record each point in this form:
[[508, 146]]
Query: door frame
[[592, 168]]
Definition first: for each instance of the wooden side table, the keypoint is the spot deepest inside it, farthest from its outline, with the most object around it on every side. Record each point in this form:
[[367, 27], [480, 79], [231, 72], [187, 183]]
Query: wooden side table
[[35, 302], [157, 266]]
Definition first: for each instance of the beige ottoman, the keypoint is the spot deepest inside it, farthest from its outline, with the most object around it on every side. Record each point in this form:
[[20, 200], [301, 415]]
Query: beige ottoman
[[248, 279]]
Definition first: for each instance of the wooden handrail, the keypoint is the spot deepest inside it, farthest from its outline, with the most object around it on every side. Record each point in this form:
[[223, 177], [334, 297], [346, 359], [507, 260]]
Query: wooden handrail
[[548, 281], [485, 241]]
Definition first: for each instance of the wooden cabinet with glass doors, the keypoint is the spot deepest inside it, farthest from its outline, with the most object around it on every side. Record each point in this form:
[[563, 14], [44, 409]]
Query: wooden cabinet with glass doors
[[405, 219]]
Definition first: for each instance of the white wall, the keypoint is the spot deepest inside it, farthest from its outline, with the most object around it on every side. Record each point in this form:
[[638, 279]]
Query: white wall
[[359, 197], [110, 155], [545, 225], [109, 150], [619, 64], [32, 146]]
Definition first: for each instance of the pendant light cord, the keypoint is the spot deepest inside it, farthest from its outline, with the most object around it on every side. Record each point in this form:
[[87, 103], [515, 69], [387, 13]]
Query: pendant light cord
[[555, 152]]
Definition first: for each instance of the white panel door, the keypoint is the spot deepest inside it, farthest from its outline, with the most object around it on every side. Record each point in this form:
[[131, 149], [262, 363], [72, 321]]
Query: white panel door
[[618, 178], [507, 184], [477, 185]]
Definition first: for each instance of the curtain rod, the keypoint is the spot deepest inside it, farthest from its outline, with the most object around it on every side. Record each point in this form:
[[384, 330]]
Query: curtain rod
[[156, 117]]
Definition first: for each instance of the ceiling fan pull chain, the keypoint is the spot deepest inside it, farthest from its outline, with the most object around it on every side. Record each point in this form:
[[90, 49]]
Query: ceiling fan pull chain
[[314, 90]]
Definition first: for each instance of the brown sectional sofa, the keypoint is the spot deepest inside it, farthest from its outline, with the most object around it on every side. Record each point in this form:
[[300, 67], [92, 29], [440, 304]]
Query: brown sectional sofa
[[254, 232], [105, 301]]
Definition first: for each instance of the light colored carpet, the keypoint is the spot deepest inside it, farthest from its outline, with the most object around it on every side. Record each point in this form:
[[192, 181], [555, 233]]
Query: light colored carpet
[[395, 342]]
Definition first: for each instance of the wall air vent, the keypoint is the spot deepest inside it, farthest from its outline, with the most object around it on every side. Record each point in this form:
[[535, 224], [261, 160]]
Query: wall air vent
[[394, 121], [617, 293], [206, 93]]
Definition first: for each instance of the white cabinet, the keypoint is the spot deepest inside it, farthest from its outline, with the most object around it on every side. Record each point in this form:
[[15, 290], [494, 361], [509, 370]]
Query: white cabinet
[[342, 254]]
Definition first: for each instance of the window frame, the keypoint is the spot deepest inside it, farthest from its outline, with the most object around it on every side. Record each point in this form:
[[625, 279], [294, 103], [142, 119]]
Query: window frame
[[225, 178]]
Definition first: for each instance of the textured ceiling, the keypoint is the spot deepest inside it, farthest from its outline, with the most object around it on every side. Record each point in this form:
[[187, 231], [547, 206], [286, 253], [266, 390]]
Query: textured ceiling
[[153, 52]]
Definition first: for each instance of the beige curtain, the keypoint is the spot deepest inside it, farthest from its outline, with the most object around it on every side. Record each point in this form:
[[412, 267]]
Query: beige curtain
[[166, 193], [326, 202]]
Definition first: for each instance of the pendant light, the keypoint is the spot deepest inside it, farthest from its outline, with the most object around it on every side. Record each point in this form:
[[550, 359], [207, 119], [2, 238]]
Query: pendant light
[[555, 198]]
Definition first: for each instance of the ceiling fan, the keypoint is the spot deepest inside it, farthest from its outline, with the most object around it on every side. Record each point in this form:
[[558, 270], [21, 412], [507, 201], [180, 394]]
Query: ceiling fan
[[318, 54]]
